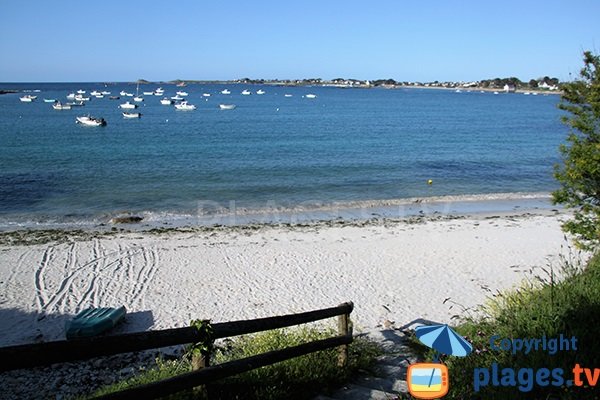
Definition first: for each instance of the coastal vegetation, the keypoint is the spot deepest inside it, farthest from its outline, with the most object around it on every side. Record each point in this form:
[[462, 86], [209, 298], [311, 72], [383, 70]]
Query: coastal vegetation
[[297, 378], [579, 175], [544, 307]]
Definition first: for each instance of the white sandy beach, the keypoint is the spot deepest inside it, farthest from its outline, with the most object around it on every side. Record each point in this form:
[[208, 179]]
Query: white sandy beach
[[396, 271]]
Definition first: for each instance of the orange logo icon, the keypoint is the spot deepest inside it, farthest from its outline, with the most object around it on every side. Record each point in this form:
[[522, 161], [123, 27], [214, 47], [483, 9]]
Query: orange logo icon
[[427, 381]]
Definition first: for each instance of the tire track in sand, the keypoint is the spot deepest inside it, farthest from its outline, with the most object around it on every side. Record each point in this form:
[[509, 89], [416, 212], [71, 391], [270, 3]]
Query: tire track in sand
[[39, 278]]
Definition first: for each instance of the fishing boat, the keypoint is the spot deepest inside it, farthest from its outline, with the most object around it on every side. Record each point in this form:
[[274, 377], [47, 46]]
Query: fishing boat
[[90, 121], [225, 91], [166, 102], [260, 91], [27, 98], [128, 105], [59, 106], [226, 106], [49, 100], [246, 92], [185, 106], [131, 115], [310, 96]]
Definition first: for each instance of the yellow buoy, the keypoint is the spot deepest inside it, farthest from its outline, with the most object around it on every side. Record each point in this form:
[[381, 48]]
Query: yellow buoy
[[429, 182]]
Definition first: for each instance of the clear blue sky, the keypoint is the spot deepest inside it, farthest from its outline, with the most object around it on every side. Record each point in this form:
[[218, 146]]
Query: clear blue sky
[[425, 40]]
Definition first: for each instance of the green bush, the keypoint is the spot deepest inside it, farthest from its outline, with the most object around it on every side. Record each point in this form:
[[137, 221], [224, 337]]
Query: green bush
[[293, 379], [549, 308]]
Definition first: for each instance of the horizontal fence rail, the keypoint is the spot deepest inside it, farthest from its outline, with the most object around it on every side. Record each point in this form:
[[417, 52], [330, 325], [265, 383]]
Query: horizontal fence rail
[[220, 371], [40, 354]]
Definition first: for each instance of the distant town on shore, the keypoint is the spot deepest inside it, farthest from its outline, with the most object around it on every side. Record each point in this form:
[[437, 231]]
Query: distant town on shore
[[511, 84]]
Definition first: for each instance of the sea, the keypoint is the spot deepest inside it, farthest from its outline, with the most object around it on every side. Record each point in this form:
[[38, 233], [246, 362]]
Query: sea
[[344, 153]]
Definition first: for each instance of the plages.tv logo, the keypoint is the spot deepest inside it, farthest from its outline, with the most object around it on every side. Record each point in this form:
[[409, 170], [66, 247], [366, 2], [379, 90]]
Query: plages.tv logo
[[431, 380]]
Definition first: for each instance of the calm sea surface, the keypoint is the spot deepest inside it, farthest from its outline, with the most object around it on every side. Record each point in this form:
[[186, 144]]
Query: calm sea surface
[[345, 145]]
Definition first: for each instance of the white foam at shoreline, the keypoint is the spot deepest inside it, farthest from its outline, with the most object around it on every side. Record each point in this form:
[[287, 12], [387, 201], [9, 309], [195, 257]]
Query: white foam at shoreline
[[210, 213]]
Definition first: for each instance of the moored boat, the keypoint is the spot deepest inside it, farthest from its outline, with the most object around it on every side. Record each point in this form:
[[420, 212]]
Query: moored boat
[[59, 106], [310, 96], [90, 121], [246, 92], [182, 93], [206, 94], [27, 98], [128, 105], [225, 91], [138, 99], [131, 115], [185, 106], [287, 95], [260, 91], [166, 102], [226, 106], [49, 100], [176, 98], [95, 93]]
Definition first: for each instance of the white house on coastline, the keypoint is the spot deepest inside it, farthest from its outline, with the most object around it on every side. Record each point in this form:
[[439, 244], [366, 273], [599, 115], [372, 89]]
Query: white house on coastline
[[510, 88]]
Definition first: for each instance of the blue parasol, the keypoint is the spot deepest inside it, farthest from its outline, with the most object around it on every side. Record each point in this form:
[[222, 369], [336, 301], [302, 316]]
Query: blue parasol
[[443, 339]]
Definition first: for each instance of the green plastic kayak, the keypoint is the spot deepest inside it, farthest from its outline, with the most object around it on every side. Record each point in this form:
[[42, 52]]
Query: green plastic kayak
[[94, 321]]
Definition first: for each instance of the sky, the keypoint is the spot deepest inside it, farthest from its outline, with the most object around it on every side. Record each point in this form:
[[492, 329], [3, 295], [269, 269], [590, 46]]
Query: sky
[[406, 40]]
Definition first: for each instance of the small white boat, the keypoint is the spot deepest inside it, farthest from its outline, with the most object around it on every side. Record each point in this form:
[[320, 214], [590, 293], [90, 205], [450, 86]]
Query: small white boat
[[311, 96], [76, 104], [185, 106], [138, 99], [148, 93], [100, 96], [105, 93], [59, 106], [80, 91], [131, 115], [246, 92], [496, 93], [182, 93], [206, 94], [287, 95], [166, 102], [226, 106], [526, 93], [177, 98], [90, 121], [128, 105], [27, 98], [159, 91], [71, 96], [81, 97], [49, 100], [95, 93], [225, 91], [260, 91]]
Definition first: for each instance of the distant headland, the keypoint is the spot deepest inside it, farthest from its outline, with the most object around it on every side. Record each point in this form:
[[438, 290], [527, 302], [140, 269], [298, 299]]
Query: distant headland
[[511, 84]]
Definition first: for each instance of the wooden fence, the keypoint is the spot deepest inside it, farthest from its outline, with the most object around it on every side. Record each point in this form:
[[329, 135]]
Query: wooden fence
[[39, 354]]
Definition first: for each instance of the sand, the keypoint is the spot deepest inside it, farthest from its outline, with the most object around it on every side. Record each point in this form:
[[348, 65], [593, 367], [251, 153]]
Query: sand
[[394, 271]]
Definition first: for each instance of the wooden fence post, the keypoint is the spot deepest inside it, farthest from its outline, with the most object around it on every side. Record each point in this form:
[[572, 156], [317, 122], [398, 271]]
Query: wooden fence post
[[344, 328]]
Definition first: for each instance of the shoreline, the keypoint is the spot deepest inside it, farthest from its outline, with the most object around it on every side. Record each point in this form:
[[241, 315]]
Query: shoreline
[[210, 213]]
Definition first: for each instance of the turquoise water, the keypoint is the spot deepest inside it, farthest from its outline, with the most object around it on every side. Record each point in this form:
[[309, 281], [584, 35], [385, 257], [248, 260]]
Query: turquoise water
[[346, 145]]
